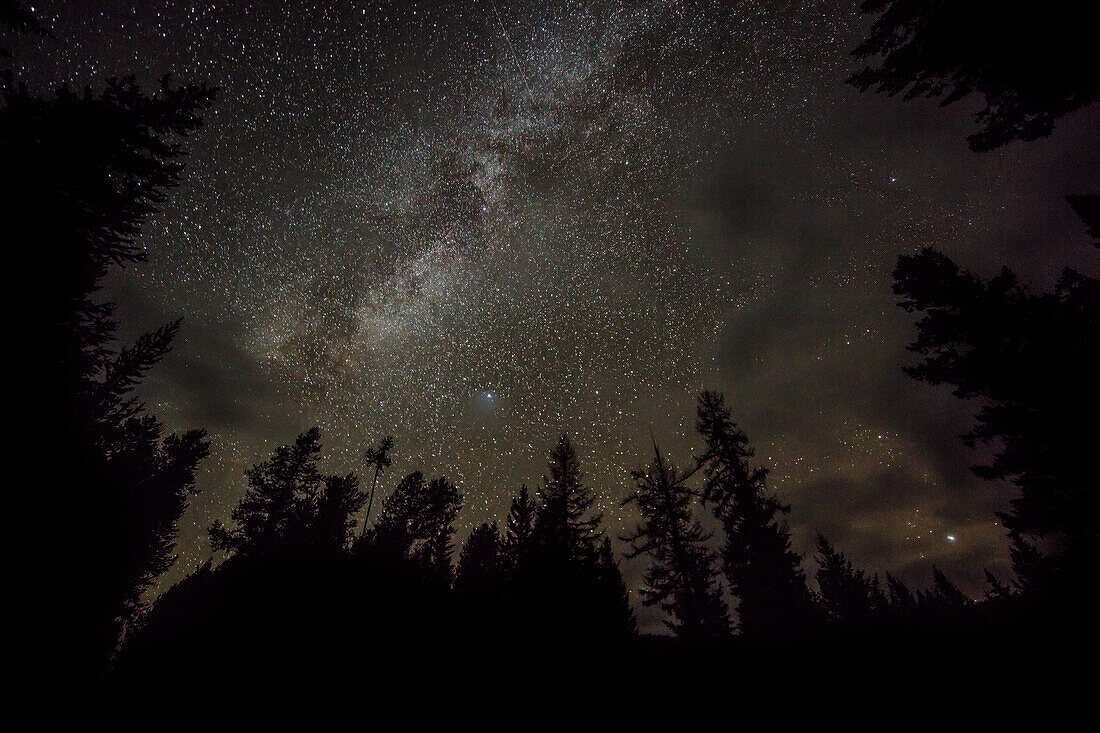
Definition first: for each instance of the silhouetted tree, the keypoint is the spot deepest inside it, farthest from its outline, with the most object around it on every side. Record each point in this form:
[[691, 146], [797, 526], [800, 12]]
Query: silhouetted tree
[[1087, 207], [764, 573], [340, 499], [848, 596], [416, 525], [681, 577], [944, 593], [379, 457], [83, 171], [480, 564], [563, 526], [1030, 66], [290, 508], [521, 526], [613, 599], [1031, 359]]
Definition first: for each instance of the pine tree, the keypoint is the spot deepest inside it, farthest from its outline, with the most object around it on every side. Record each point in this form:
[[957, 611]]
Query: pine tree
[[1031, 359], [480, 564], [618, 622], [521, 526], [563, 527], [339, 501], [436, 526], [84, 172], [848, 596], [379, 458], [415, 527], [290, 508], [764, 573], [681, 577]]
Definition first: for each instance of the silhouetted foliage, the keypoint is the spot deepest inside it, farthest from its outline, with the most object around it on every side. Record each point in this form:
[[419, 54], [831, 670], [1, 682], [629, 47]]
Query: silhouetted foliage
[[764, 573], [520, 529], [564, 526], [1087, 207], [415, 527], [612, 600], [378, 457], [84, 172], [480, 568], [290, 507], [848, 596], [681, 577], [1030, 67], [1031, 359]]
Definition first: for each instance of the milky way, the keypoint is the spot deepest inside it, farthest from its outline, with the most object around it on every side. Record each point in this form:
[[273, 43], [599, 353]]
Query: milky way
[[477, 225]]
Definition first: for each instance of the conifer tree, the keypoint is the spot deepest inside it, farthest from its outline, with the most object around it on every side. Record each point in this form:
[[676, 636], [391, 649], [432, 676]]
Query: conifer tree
[[339, 501], [618, 621], [521, 526], [84, 172], [416, 525], [480, 564], [681, 577], [764, 573], [377, 457], [848, 596], [290, 508], [564, 527]]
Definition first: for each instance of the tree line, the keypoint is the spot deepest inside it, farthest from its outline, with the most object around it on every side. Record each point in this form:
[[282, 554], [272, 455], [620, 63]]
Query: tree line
[[306, 583]]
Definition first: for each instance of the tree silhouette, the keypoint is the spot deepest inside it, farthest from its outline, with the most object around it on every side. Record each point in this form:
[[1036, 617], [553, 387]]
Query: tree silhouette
[[764, 573], [847, 594], [681, 577], [290, 508], [1087, 207], [520, 528], [613, 599], [379, 457], [415, 527], [340, 499], [1030, 68], [1031, 360], [85, 170], [563, 526], [479, 572]]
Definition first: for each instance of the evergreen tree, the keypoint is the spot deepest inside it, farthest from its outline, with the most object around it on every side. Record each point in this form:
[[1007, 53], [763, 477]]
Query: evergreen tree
[[83, 172], [436, 526], [563, 526], [290, 508], [681, 577], [613, 598], [764, 573], [416, 525], [480, 564], [1031, 358], [848, 596], [339, 501], [379, 458], [521, 526], [1029, 67]]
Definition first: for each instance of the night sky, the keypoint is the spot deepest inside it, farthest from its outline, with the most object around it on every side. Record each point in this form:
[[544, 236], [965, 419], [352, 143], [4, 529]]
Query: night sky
[[477, 225]]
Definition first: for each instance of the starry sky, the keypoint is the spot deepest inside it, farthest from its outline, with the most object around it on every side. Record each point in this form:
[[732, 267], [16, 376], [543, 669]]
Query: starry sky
[[475, 225]]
